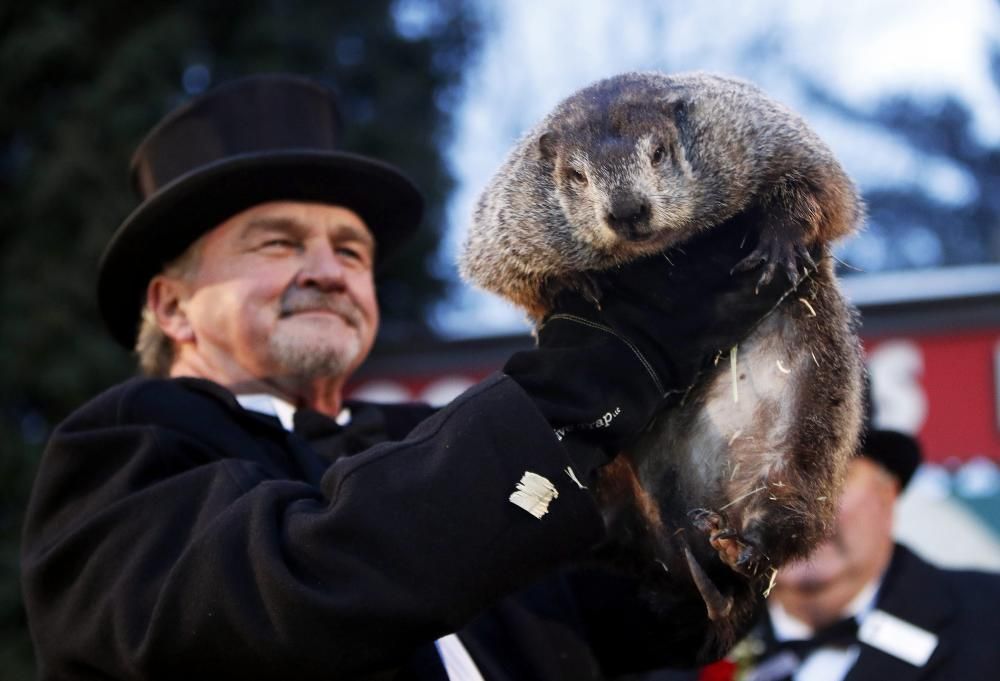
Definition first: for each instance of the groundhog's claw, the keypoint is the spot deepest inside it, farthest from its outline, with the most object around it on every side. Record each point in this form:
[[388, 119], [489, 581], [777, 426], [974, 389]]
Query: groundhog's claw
[[705, 520], [805, 256], [773, 252], [738, 551]]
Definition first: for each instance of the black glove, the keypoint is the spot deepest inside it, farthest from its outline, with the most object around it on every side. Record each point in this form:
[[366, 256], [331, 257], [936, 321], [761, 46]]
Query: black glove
[[601, 370]]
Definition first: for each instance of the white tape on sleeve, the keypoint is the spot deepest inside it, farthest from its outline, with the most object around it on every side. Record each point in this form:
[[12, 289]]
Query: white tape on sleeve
[[534, 493]]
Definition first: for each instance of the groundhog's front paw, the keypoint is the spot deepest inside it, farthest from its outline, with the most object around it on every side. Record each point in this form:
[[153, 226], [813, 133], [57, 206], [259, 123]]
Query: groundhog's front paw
[[741, 552], [775, 250]]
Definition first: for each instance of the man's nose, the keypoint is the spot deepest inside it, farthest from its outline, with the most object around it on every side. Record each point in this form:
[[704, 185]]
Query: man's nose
[[321, 268]]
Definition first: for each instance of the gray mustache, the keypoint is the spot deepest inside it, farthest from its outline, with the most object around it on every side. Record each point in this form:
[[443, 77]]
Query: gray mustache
[[297, 299]]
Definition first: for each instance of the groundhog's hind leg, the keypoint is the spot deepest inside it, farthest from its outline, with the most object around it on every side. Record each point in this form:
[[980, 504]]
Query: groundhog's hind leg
[[790, 419]]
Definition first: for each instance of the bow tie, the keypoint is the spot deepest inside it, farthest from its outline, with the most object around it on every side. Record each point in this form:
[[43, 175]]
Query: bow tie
[[781, 659], [366, 429], [313, 425], [840, 634]]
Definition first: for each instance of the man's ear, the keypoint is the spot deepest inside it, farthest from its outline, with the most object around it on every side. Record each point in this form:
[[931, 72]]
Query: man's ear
[[165, 297]]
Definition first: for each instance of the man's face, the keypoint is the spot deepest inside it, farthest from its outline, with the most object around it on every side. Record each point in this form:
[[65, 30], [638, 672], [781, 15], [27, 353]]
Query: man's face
[[284, 290], [862, 539]]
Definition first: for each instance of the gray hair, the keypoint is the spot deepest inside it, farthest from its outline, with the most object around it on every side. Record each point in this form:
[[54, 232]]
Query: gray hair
[[154, 349]]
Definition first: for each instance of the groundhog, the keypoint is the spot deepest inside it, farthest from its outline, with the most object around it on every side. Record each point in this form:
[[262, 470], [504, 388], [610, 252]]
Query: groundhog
[[743, 475]]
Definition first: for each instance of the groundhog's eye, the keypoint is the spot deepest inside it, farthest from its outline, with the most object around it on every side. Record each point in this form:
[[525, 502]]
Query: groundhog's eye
[[577, 176], [658, 155]]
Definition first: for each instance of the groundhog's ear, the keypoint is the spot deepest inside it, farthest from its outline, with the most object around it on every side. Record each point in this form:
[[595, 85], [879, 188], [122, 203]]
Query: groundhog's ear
[[547, 143]]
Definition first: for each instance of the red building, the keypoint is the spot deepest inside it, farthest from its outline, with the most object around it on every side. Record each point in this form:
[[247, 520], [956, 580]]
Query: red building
[[932, 339]]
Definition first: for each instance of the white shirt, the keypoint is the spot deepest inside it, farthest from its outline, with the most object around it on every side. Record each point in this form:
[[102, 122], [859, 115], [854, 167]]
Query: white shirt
[[456, 659], [828, 663]]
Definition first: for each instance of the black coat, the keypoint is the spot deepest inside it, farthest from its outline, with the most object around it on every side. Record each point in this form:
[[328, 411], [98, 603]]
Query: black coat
[[172, 533], [961, 607]]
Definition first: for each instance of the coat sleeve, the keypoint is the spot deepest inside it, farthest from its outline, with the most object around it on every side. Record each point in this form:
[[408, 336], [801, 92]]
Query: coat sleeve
[[147, 552]]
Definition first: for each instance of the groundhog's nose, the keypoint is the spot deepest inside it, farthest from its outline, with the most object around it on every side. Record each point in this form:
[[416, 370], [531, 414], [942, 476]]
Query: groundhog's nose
[[628, 216]]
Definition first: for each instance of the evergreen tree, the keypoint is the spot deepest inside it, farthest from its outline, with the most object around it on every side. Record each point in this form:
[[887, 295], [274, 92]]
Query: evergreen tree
[[82, 84]]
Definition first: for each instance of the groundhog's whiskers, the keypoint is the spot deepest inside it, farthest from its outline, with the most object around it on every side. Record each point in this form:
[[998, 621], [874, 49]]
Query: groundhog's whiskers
[[744, 496], [733, 372]]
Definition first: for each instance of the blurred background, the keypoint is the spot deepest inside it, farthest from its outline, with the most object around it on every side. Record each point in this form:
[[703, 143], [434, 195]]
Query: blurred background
[[907, 93]]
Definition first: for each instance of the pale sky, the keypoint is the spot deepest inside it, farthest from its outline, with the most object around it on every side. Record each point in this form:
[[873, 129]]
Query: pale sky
[[863, 52]]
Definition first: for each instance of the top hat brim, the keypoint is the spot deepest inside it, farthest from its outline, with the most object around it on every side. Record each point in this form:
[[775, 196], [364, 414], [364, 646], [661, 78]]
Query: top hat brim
[[169, 221]]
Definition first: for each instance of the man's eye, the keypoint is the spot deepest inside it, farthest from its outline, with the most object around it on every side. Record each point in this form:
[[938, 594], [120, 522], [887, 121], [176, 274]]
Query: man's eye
[[278, 243], [353, 253]]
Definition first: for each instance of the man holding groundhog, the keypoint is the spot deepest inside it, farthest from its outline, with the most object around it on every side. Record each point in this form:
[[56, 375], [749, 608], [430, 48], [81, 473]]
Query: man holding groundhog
[[229, 514]]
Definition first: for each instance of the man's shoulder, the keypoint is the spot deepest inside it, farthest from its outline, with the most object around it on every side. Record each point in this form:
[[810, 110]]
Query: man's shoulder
[[144, 400], [956, 574], [398, 418], [977, 591], [192, 415], [980, 587]]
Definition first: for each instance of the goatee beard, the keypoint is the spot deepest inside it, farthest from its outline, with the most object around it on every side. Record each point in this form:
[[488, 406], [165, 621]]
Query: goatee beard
[[304, 359]]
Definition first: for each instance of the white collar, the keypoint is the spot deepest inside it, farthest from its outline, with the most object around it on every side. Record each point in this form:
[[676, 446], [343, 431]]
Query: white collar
[[270, 405], [283, 410]]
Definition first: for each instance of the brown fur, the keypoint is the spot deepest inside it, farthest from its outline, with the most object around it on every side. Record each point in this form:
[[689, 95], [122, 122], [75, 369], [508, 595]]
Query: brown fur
[[727, 149], [719, 490]]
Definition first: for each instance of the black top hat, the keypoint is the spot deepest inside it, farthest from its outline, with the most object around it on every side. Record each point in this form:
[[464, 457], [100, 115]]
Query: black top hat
[[257, 139], [898, 453]]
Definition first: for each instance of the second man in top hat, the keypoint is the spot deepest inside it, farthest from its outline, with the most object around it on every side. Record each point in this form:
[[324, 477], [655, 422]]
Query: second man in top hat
[[865, 608]]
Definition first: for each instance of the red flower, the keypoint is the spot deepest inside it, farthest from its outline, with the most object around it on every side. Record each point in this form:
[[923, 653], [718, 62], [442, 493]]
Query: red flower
[[723, 670]]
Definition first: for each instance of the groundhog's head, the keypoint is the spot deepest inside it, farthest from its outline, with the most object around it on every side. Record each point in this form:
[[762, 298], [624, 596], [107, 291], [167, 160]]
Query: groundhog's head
[[620, 166]]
